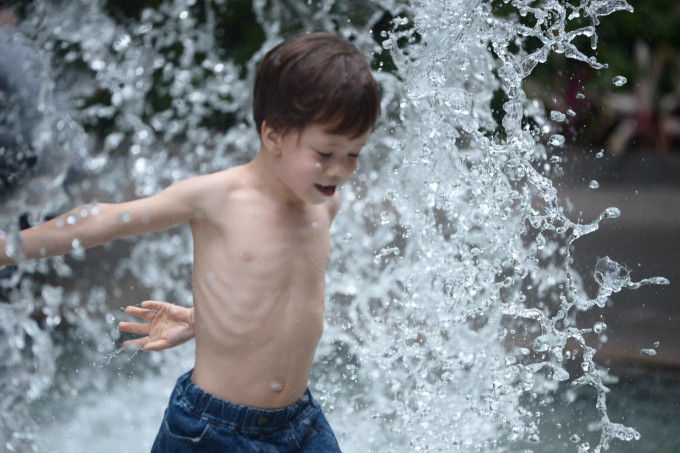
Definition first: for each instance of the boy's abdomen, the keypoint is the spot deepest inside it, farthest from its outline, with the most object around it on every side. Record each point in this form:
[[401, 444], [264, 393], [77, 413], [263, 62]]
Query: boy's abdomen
[[263, 360]]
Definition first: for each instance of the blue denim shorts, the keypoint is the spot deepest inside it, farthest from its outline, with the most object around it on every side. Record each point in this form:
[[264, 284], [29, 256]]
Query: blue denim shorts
[[196, 421]]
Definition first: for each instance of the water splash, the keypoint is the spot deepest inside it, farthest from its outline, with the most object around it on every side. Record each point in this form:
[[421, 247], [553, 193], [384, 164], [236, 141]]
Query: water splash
[[619, 81], [451, 291]]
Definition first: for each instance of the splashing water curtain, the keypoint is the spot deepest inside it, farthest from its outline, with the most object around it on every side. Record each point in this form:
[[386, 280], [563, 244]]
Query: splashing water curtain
[[452, 298]]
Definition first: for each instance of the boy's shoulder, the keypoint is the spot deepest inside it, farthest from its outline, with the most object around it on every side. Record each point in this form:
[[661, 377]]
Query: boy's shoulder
[[222, 181], [205, 191], [236, 184]]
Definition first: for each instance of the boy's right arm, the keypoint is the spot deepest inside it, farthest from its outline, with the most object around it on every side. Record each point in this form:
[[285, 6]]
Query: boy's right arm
[[92, 225]]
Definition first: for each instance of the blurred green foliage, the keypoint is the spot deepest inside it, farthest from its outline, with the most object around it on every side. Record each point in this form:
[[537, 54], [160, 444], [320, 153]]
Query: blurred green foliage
[[642, 115], [643, 47]]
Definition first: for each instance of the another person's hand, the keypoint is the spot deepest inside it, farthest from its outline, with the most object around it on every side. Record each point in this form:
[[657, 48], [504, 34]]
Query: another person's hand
[[170, 325]]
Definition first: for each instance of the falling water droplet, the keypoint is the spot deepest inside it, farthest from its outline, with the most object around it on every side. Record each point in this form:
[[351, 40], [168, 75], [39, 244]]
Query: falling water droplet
[[594, 184], [611, 213], [557, 116], [77, 249], [599, 327], [97, 65], [557, 140], [611, 275], [648, 352], [619, 81]]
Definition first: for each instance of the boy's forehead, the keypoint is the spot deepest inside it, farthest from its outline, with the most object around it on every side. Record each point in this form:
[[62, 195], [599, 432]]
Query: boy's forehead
[[321, 133], [325, 131]]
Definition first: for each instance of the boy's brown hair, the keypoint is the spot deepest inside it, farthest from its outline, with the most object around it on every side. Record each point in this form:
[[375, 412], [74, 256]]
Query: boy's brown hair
[[317, 78]]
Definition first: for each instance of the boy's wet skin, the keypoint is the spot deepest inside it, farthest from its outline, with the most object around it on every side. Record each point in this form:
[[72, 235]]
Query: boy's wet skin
[[257, 324], [259, 282]]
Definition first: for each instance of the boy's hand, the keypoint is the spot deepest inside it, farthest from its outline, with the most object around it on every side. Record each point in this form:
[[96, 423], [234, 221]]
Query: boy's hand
[[170, 325]]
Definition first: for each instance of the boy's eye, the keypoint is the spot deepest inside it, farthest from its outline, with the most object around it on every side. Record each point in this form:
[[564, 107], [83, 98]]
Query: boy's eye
[[353, 156], [323, 155]]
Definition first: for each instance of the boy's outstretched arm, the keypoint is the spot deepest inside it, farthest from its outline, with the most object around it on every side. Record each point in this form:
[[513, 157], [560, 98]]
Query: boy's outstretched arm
[[170, 325], [92, 225]]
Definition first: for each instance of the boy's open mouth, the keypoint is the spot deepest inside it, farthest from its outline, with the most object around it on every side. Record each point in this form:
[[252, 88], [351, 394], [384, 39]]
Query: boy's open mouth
[[325, 190]]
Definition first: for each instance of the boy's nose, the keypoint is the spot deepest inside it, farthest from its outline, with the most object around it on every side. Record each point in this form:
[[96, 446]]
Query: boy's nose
[[335, 171]]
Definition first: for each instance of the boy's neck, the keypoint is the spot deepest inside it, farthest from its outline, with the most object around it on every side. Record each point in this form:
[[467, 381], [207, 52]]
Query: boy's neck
[[263, 169]]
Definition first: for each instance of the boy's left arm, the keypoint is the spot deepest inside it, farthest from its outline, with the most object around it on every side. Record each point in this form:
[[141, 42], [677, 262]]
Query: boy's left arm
[[169, 325]]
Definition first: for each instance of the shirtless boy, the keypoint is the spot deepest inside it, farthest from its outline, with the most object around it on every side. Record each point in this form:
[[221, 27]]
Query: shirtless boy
[[261, 246]]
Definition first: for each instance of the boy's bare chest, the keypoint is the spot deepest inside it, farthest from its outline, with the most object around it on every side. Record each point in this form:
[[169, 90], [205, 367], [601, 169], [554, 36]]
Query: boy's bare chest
[[261, 239], [309, 239]]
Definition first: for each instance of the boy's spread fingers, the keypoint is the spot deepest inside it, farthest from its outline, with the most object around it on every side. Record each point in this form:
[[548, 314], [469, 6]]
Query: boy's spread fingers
[[140, 312], [154, 304], [157, 345], [134, 327]]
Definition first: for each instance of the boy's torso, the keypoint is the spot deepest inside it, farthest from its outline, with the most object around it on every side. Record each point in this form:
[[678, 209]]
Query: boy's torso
[[259, 280]]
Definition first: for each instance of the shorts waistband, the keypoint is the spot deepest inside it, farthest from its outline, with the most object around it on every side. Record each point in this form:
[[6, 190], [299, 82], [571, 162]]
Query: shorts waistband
[[244, 418]]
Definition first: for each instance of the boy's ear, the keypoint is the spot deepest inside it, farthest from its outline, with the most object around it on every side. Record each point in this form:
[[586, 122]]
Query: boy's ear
[[271, 138]]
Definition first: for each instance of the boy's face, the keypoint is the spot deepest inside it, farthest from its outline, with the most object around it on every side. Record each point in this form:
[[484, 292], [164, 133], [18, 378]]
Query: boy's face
[[314, 163]]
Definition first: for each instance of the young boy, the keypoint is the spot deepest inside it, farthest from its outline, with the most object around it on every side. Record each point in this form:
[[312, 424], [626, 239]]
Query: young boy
[[261, 246]]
